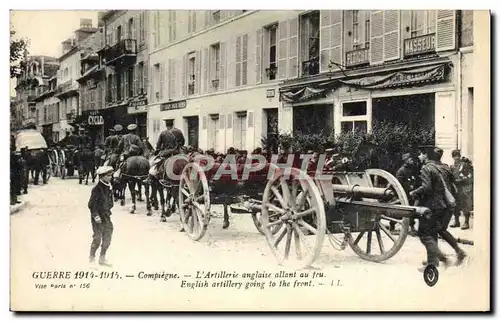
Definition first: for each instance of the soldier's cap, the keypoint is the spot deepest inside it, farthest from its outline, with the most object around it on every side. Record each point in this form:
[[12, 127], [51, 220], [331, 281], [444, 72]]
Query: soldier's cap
[[118, 127], [103, 170], [405, 156], [431, 150], [329, 150], [132, 127], [310, 151], [81, 129], [111, 130], [456, 152]]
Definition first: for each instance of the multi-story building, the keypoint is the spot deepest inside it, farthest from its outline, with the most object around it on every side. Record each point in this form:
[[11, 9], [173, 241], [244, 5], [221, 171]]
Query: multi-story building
[[92, 83], [47, 106], [36, 71], [224, 77], [125, 57], [67, 90]]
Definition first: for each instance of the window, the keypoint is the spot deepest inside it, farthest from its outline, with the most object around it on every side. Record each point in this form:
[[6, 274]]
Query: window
[[156, 28], [270, 43], [215, 65], [355, 30], [191, 73], [130, 29], [118, 86], [118, 34], [214, 132], [140, 77], [216, 16], [423, 22], [367, 30], [354, 117], [130, 82], [240, 130], [171, 25], [156, 83], [309, 43], [142, 22], [241, 60], [109, 89]]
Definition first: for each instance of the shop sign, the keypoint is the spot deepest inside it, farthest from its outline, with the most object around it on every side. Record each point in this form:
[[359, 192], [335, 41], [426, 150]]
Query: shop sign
[[270, 93], [137, 106], [94, 118], [173, 105], [420, 45], [357, 57]]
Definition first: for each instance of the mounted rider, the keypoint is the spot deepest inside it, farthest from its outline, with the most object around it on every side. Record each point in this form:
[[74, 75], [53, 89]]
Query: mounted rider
[[112, 141], [130, 144], [170, 142]]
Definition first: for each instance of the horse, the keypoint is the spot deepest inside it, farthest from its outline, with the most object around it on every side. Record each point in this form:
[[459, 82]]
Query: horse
[[135, 171], [84, 159], [37, 161]]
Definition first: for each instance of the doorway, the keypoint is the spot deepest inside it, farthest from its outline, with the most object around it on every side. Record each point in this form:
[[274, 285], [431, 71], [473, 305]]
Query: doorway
[[192, 131]]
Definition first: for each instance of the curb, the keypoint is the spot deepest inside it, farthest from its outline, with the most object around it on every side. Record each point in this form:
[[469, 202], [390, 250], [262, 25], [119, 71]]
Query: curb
[[18, 207]]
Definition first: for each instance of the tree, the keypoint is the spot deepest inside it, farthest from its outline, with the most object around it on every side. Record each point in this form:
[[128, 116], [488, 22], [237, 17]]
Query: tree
[[18, 48]]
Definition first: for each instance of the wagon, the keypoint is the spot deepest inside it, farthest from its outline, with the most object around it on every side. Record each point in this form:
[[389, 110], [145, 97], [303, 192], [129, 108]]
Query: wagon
[[299, 208]]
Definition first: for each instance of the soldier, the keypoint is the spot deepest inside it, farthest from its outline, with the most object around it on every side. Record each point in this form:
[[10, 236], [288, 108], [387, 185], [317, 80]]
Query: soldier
[[108, 141], [127, 141], [463, 171], [84, 138], [407, 179], [100, 204], [170, 140], [436, 179]]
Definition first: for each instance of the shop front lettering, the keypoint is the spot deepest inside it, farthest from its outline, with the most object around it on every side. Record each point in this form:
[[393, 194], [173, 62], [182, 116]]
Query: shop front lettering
[[420, 45], [173, 105], [95, 120], [138, 103], [357, 57]]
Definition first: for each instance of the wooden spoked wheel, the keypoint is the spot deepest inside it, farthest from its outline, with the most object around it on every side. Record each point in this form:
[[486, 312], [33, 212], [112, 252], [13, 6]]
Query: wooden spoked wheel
[[194, 201], [380, 243], [297, 218], [256, 217]]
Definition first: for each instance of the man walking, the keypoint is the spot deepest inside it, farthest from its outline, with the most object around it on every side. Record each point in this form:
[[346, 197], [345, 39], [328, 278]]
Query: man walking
[[437, 182], [100, 204], [407, 180]]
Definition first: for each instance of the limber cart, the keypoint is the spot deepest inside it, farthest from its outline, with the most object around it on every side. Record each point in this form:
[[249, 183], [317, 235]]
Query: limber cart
[[299, 209]]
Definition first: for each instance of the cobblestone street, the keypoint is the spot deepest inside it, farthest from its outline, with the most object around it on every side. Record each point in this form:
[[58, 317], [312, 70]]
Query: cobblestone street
[[53, 233]]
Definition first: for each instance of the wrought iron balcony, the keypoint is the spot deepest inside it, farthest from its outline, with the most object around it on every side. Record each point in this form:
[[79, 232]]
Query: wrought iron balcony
[[310, 67], [123, 53]]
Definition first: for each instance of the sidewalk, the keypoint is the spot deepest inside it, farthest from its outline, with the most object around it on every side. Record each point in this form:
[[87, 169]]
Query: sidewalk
[[16, 208]]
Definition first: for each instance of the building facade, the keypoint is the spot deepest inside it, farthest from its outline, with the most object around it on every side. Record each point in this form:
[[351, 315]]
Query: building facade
[[47, 106], [224, 77], [30, 83], [124, 56]]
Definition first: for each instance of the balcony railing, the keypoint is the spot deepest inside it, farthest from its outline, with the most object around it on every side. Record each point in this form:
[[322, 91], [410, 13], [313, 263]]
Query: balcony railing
[[357, 57], [310, 67], [121, 52]]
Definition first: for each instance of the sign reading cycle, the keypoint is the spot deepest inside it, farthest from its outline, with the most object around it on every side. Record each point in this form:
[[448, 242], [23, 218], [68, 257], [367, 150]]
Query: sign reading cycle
[[94, 119]]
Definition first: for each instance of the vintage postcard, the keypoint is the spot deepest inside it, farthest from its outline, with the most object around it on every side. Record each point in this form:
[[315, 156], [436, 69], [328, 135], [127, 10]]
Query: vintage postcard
[[250, 160]]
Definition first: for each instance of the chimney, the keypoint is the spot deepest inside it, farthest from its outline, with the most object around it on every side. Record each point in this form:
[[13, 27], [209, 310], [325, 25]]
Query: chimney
[[85, 23], [67, 45]]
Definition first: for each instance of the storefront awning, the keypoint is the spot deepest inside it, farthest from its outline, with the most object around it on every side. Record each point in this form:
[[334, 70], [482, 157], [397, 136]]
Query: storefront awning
[[307, 93]]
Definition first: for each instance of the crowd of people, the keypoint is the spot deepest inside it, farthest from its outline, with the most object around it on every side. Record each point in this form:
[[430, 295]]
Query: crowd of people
[[446, 190]]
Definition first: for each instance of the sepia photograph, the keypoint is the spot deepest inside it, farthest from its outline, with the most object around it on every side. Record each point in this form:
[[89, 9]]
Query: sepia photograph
[[250, 160]]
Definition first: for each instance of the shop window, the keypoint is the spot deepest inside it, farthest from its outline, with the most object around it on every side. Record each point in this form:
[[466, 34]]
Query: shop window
[[354, 109], [354, 117]]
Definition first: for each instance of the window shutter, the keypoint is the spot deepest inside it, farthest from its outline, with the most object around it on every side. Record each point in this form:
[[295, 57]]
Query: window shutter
[[135, 88], [223, 57], [347, 29], [206, 66], [229, 119], [244, 60], [391, 35], [336, 38], [238, 62], [208, 18], [146, 83], [161, 82], [204, 123], [197, 79], [132, 30], [184, 76], [189, 22], [231, 63], [405, 22], [258, 57], [174, 78], [282, 49], [445, 30], [193, 21], [174, 24], [377, 37], [137, 27], [325, 30], [250, 119], [293, 52], [221, 121]]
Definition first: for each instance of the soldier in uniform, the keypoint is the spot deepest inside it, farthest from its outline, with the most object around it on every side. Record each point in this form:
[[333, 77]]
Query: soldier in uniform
[[108, 141], [407, 179], [100, 204], [436, 177], [170, 141], [127, 141], [84, 138], [463, 171]]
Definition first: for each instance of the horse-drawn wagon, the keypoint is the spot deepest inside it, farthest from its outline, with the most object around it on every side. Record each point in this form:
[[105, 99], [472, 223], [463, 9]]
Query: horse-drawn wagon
[[33, 147], [303, 204]]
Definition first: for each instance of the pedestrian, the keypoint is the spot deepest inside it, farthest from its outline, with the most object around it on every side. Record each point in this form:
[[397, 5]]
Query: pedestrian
[[463, 171], [437, 193], [100, 204]]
